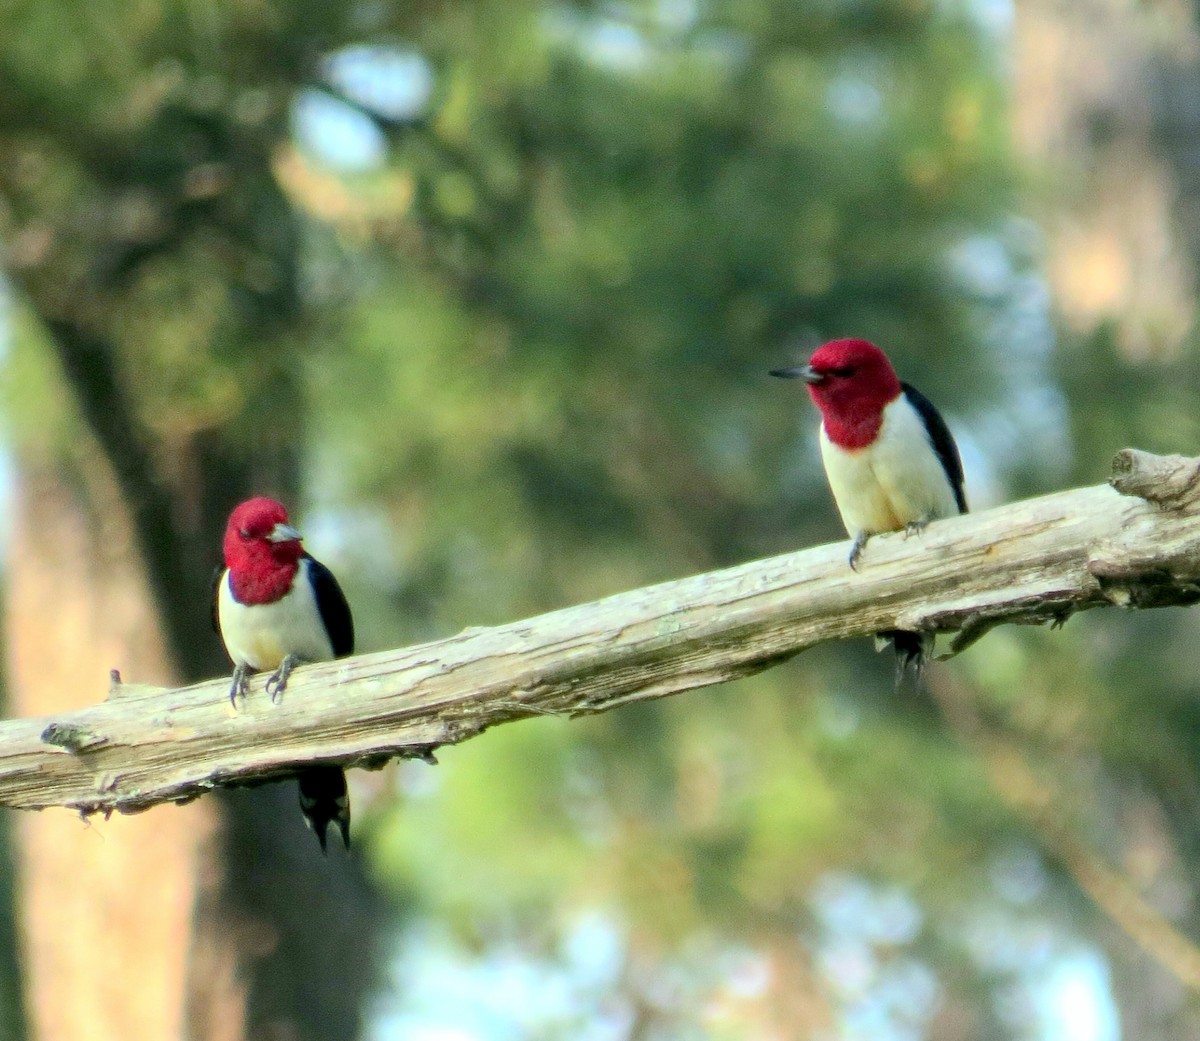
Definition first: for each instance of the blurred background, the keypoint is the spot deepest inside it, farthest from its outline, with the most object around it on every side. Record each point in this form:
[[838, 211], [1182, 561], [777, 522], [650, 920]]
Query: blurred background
[[487, 292]]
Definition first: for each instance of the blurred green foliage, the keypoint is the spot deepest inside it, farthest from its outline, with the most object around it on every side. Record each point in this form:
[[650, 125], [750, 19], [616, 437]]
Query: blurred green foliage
[[518, 360]]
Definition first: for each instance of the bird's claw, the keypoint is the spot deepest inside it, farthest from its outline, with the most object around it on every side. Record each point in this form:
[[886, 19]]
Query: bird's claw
[[277, 682], [915, 527], [860, 542], [241, 683]]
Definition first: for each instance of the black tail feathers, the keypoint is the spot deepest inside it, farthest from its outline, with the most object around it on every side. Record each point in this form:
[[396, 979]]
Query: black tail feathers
[[324, 800], [912, 651]]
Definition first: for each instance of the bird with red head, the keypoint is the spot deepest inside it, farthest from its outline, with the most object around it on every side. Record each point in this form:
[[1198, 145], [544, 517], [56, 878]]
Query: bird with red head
[[890, 459], [276, 606]]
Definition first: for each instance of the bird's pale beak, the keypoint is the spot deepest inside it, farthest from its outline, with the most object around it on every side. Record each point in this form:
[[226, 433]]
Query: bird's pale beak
[[800, 372], [283, 533]]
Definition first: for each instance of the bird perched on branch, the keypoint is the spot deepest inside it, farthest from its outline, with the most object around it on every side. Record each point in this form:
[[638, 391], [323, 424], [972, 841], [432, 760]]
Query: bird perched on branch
[[275, 606], [890, 459]]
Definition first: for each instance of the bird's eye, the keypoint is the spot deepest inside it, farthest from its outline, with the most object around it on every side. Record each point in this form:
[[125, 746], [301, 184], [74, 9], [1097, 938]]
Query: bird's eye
[[244, 532], [842, 373]]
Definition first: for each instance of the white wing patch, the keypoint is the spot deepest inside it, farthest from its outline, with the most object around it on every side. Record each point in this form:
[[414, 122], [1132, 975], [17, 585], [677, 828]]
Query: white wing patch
[[262, 635], [895, 480]]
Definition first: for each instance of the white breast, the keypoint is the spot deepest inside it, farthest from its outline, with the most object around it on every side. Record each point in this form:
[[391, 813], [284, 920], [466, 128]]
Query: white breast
[[261, 635], [895, 480]]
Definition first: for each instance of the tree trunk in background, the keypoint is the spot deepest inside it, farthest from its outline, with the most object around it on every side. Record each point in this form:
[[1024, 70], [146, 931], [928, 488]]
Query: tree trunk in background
[[241, 930], [106, 906], [1087, 108], [12, 996]]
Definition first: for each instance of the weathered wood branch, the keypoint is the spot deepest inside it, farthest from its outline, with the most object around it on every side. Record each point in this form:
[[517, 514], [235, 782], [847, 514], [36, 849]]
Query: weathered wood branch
[[1033, 561]]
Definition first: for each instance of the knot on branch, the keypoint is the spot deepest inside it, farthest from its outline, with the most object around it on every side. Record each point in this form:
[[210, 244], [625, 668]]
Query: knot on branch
[[1171, 482], [72, 737]]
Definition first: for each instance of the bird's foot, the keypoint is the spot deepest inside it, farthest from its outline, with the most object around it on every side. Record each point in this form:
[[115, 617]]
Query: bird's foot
[[241, 683], [915, 527], [860, 542], [277, 682]]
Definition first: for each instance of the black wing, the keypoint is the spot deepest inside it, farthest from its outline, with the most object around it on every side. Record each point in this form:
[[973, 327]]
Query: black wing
[[331, 602], [942, 441]]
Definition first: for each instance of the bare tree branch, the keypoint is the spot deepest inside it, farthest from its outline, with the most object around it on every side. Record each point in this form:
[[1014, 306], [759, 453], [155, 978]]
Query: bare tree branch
[[1029, 562]]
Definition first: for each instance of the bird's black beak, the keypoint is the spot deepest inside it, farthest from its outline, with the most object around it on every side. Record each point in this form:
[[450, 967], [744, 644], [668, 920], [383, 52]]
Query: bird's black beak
[[800, 372]]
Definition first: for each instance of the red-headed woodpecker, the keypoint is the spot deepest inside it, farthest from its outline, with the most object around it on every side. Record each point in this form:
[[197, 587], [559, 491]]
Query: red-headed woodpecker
[[890, 459], [275, 606]]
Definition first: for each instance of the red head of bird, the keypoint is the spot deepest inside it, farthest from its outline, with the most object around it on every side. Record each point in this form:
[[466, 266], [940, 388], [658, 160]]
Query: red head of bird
[[851, 382], [262, 551]]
